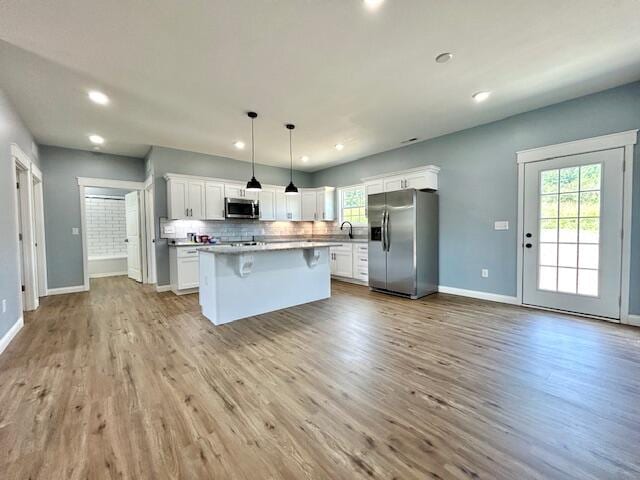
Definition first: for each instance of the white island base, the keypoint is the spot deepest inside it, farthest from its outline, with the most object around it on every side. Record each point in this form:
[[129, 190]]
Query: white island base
[[239, 282]]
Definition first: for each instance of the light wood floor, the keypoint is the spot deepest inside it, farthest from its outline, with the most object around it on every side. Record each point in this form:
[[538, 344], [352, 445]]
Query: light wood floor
[[127, 383]]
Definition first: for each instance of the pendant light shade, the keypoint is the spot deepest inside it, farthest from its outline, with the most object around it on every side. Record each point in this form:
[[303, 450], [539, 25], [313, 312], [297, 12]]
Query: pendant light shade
[[291, 188], [253, 185]]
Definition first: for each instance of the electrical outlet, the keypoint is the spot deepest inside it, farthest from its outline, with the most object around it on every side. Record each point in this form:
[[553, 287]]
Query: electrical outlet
[[4, 305], [485, 273]]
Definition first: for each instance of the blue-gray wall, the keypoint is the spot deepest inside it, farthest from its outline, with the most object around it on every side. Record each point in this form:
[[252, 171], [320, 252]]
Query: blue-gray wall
[[12, 130], [61, 168], [162, 160], [478, 182]]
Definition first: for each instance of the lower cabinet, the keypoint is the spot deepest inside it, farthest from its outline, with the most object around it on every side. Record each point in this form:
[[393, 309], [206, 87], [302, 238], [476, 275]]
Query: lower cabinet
[[350, 261], [184, 266]]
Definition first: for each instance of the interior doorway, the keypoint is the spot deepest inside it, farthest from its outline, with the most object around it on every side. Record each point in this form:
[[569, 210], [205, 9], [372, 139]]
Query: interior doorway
[[31, 254], [113, 223]]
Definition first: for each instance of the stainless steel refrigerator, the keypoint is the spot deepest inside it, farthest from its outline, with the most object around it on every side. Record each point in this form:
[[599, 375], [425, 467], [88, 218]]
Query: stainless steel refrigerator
[[403, 242]]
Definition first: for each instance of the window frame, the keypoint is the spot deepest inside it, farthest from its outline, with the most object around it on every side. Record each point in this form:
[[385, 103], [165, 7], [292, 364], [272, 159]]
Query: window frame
[[340, 191]]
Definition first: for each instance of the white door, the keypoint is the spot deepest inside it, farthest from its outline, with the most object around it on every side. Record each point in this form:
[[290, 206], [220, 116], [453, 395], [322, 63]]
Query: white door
[[572, 245], [392, 184], [281, 205], [132, 209], [214, 201], [294, 207], [195, 196], [308, 199], [267, 199], [233, 190], [151, 235], [178, 201]]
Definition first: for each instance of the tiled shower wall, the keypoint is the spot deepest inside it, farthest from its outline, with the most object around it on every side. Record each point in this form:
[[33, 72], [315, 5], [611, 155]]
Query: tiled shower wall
[[105, 226]]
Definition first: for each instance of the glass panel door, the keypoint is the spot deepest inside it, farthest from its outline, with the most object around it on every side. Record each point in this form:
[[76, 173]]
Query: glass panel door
[[572, 225]]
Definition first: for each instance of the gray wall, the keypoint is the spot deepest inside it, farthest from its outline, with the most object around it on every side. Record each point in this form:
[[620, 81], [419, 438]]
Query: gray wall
[[162, 160], [12, 130], [478, 182], [60, 168]]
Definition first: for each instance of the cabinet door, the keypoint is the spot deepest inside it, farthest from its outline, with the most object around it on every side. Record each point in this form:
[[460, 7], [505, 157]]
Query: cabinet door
[[326, 204], [320, 210], [294, 207], [214, 201], [233, 190], [308, 199], [375, 186], [177, 192], [281, 205], [251, 195], [267, 199], [391, 184], [188, 273], [421, 180], [343, 263], [195, 196]]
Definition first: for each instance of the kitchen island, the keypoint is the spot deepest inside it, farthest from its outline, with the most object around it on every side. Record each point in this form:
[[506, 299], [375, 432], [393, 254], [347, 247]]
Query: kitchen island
[[242, 280]]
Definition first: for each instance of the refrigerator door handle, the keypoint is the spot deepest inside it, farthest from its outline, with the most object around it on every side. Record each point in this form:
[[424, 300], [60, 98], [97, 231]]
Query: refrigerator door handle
[[386, 232], [385, 219]]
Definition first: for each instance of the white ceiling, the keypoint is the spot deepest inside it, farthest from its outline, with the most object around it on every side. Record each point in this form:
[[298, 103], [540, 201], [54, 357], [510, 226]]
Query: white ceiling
[[182, 74]]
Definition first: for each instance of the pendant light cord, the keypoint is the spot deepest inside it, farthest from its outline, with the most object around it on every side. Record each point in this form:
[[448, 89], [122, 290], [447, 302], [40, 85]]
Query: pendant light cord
[[253, 163], [291, 155]]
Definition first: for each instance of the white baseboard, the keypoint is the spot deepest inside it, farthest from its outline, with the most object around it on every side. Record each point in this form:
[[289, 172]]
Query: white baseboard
[[163, 288], [13, 331], [102, 275], [65, 290], [633, 320], [492, 297]]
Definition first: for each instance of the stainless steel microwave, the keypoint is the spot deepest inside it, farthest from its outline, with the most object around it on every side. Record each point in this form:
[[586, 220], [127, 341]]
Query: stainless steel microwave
[[241, 208]]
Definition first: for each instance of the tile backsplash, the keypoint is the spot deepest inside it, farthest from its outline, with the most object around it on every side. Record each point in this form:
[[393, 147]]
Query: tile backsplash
[[243, 230]]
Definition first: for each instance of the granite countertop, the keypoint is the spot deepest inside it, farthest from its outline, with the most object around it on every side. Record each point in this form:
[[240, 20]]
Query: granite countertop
[[328, 239], [268, 247]]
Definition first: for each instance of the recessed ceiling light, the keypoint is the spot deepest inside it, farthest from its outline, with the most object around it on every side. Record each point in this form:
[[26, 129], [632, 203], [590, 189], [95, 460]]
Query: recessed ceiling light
[[444, 57], [239, 145], [339, 146], [97, 139], [373, 4], [98, 97], [481, 96], [304, 158]]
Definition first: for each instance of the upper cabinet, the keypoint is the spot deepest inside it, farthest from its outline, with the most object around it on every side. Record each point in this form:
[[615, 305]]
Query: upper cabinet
[[421, 178], [318, 204], [185, 198], [308, 204], [238, 190], [214, 200], [267, 199]]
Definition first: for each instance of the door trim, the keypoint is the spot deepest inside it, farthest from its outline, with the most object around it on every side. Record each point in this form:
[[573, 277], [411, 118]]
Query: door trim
[[84, 182], [625, 140]]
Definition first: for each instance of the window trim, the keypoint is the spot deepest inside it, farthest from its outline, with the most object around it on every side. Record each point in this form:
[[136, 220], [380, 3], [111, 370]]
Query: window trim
[[340, 191]]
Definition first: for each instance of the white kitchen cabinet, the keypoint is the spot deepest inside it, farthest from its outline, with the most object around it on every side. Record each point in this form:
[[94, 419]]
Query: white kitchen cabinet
[[308, 205], [361, 262], [281, 205], [183, 269], [326, 204], [420, 178], [374, 186], [214, 201], [341, 259], [185, 198], [267, 199], [294, 207], [239, 190]]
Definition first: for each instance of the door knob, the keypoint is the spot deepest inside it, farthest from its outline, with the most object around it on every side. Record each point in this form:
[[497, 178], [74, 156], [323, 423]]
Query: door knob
[[528, 245]]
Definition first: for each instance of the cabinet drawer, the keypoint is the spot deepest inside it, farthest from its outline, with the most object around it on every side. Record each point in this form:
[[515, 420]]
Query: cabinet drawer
[[186, 252], [361, 275], [341, 249]]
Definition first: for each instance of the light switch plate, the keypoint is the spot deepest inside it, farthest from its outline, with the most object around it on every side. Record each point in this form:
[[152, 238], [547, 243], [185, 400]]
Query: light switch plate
[[485, 273], [501, 225], [4, 305], [169, 229], [75, 231]]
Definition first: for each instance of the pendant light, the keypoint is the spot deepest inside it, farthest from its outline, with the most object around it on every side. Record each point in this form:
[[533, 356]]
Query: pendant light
[[253, 185], [291, 188]]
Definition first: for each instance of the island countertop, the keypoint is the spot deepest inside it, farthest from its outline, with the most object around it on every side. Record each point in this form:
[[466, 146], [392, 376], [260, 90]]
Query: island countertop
[[266, 247]]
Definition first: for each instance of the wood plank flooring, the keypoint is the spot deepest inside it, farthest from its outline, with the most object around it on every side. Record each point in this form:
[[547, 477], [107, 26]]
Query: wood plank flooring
[[123, 382]]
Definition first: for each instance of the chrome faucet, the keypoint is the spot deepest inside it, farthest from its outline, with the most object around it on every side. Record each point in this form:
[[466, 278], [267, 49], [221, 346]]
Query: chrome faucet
[[350, 228]]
